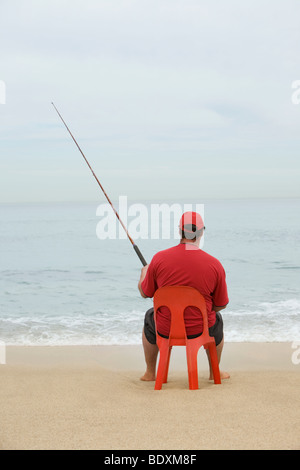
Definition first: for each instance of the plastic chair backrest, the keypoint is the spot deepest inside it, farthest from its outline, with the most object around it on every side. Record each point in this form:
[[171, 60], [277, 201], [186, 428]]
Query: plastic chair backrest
[[177, 299]]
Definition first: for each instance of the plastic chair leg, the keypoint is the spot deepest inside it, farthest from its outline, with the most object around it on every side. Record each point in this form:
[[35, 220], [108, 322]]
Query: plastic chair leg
[[214, 363], [165, 380], [162, 370], [192, 365]]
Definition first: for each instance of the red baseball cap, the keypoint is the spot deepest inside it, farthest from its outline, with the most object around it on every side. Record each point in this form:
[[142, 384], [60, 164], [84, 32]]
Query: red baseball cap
[[191, 218]]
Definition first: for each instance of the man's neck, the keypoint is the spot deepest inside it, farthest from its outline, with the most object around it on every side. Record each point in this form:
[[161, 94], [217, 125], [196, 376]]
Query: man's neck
[[190, 242]]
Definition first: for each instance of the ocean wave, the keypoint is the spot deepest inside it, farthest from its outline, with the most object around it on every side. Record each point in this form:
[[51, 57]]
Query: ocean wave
[[266, 321], [279, 307], [287, 267], [277, 321]]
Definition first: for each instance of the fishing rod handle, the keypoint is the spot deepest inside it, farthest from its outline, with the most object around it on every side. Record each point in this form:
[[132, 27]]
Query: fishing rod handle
[[136, 249]]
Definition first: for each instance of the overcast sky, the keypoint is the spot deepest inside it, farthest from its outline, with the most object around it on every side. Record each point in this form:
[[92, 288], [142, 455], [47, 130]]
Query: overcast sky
[[168, 99]]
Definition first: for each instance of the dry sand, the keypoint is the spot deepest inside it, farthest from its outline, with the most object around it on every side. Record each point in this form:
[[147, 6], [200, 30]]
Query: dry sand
[[91, 398]]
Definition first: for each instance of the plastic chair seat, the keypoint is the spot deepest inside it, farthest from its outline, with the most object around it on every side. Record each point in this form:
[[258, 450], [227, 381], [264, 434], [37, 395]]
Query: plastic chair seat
[[177, 299]]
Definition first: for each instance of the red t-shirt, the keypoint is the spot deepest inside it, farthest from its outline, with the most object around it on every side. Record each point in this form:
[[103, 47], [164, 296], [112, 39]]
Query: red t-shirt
[[187, 265]]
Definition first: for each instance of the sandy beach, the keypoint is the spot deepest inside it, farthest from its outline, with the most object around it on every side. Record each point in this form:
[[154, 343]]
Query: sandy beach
[[90, 397]]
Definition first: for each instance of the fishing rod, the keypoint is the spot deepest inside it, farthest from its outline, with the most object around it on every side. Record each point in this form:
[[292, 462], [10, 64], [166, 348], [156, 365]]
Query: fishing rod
[[136, 249]]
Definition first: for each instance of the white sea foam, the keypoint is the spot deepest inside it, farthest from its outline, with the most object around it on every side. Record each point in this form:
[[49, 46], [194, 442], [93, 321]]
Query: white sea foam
[[267, 321]]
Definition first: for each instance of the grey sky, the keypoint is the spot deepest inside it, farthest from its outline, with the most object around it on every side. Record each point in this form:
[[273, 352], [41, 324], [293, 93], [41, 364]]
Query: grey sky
[[168, 99]]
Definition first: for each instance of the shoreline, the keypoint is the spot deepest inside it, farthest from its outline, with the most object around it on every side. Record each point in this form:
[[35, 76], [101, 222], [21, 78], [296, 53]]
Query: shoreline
[[91, 397], [235, 356]]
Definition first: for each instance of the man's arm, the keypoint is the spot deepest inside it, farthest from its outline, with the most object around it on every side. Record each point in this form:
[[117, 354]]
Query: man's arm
[[143, 275], [217, 309]]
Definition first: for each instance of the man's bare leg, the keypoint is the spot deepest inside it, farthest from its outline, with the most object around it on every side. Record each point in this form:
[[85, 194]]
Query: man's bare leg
[[224, 375], [151, 352]]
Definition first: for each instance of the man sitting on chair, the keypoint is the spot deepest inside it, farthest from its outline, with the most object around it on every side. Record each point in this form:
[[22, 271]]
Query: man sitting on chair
[[184, 265]]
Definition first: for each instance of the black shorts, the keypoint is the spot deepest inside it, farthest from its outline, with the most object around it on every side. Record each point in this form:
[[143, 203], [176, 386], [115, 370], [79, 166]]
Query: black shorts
[[149, 328]]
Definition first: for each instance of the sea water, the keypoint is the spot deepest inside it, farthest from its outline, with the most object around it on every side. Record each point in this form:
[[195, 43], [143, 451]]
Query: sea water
[[60, 284]]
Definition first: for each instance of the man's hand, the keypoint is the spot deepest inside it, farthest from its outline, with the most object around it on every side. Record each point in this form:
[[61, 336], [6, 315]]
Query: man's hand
[[144, 272], [142, 277]]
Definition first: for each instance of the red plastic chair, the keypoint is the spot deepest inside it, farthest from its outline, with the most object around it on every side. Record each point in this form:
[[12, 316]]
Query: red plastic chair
[[177, 298]]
